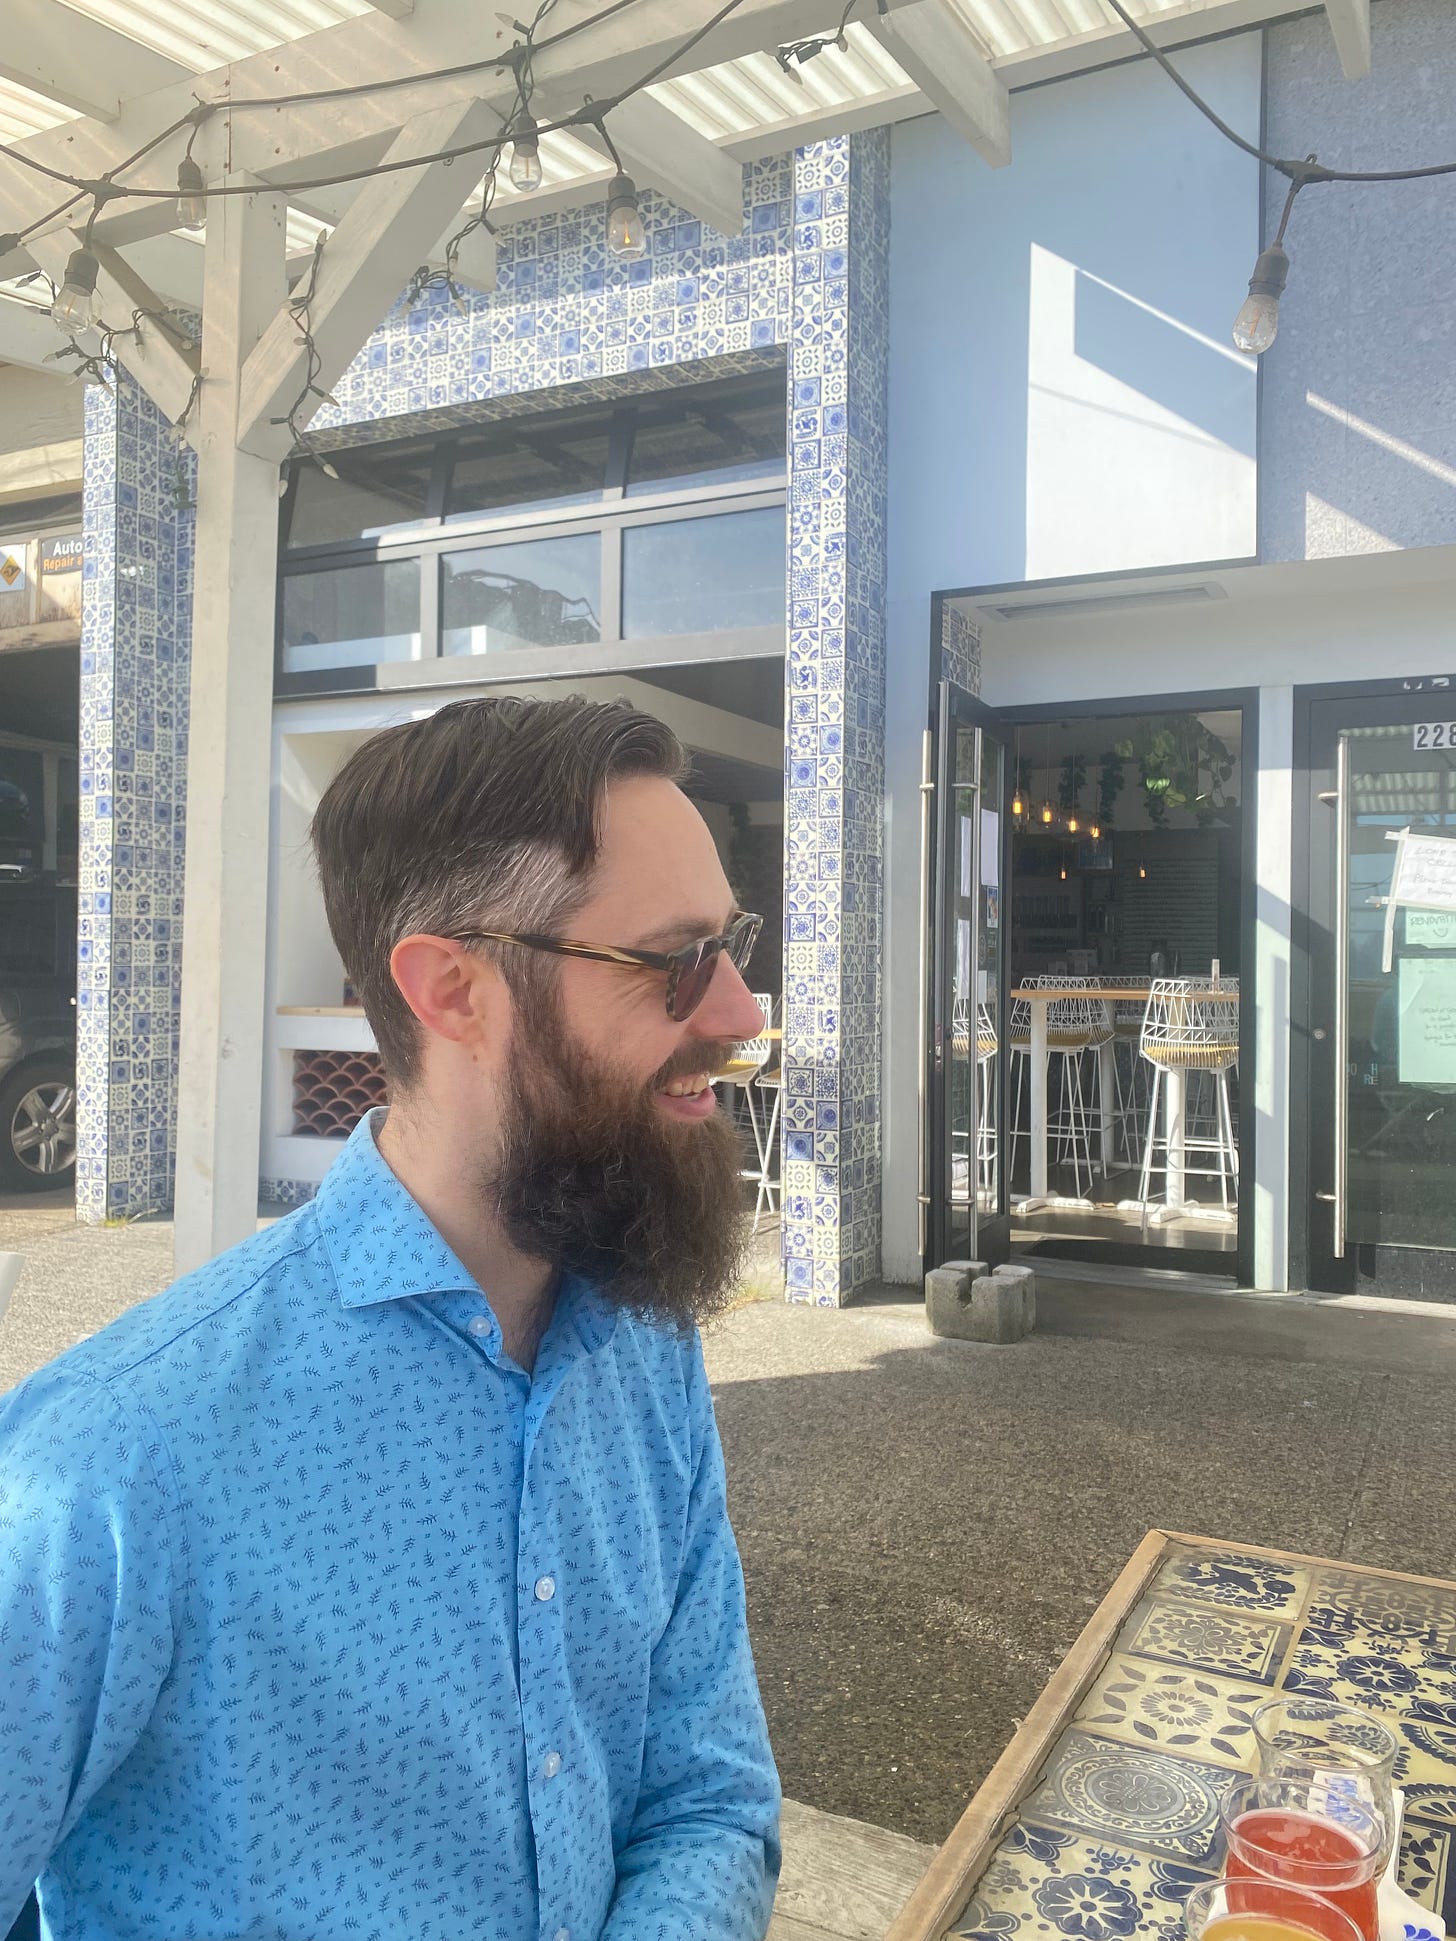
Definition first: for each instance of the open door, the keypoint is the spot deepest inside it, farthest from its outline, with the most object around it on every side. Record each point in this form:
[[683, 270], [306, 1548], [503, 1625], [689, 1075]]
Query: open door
[[965, 794]]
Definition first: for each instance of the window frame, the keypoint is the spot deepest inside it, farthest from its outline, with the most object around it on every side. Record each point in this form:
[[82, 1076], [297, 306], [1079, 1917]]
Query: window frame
[[431, 539]]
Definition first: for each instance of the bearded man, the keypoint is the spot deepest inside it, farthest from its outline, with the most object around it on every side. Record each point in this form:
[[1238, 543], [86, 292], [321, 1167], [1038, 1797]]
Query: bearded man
[[376, 1579]]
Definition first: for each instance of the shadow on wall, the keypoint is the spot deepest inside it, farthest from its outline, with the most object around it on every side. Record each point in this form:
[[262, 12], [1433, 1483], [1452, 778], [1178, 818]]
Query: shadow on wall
[[1207, 385]]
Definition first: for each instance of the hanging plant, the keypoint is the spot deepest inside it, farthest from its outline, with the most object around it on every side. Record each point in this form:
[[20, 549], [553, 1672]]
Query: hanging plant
[[1109, 785], [1074, 780]]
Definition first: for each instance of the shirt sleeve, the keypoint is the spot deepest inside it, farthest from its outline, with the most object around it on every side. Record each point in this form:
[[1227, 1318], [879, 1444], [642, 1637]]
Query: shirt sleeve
[[86, 1628], [702, 1859]]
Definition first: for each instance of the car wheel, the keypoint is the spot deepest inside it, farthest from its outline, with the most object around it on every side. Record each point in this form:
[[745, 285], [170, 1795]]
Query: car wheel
[[38, 1127]]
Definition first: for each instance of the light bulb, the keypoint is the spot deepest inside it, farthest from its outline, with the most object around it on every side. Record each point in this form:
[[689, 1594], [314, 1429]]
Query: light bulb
[[1142, 872], [1257, 324], [75, 305], [626, 236], [1095, 832], [1072, 823], [1018, 807], [1046, 813], [1064, 872], [191, 200], [525, 156]]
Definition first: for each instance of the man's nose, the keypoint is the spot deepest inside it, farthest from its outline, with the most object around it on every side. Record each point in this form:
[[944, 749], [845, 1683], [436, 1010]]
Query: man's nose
[[730, 1010]]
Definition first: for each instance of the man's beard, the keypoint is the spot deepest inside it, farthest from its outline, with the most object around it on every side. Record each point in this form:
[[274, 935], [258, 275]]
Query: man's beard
[[594, 1177]]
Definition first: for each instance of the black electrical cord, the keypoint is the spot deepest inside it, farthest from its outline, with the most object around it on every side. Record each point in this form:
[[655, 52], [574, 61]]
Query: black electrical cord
[[1299, 173]]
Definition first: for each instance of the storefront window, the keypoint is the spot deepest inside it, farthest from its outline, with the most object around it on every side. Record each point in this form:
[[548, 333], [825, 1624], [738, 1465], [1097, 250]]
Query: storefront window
[[378, 490], [540, 593], [682, 443], [520, 466], [693, 576], [351, 616]]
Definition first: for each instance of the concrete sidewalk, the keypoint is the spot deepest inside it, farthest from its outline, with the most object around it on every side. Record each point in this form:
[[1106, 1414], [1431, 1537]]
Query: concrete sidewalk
[[926, 1525]]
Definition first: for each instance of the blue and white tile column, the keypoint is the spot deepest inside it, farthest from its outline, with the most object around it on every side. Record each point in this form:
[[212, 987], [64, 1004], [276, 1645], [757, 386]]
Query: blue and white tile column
[[135, 663], [838, 361]]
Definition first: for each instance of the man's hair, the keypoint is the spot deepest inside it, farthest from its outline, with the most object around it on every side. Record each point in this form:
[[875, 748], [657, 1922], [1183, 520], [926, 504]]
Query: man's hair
[[484, 816]]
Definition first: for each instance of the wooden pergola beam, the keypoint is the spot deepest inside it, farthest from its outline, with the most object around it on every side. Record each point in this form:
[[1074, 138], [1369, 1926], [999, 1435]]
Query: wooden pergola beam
[[1350, 24], [936, 48], [366, 263], [77, 62]]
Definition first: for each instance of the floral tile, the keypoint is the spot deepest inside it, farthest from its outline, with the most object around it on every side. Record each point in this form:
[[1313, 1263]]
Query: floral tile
[[1235, 1579], [1412, 1688], [1425, 1868], [1161, 1803], [1192, 1714], [1230, 1642], [1390, 1608], [1042, 1884]]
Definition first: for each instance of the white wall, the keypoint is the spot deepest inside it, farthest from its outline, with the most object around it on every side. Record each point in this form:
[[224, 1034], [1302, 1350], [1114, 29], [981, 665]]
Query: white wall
[[1063, 400]]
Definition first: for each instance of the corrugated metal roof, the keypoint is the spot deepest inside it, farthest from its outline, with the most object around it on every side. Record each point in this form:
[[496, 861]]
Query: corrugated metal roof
[[732, 99]]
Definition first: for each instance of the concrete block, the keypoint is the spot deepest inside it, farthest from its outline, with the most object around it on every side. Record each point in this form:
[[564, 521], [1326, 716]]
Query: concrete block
[[948, 1294], [1025, 1279], [965, 1303]]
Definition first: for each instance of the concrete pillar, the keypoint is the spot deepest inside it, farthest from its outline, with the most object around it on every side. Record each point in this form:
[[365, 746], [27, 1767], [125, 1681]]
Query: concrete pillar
[[135, 644], [838, 363]]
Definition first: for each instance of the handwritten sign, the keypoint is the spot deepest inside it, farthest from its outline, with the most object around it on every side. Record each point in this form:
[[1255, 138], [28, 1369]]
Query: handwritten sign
[[1424, 877], [1431, 929], [1427, 999]]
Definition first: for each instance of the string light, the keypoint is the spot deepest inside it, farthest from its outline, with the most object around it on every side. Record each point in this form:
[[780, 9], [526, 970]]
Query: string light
[[75, 306], [191, 195], [1072, 823], [526, 154], [626, 233], [1095, 832], [1046, 813], [1018, 807], [1257, 324]]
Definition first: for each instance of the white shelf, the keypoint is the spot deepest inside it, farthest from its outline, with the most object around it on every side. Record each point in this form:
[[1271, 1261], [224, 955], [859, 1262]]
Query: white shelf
[[322, 1028]]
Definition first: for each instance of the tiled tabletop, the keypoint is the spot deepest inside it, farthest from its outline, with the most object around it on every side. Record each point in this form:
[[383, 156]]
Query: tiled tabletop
[[1122, 1819]]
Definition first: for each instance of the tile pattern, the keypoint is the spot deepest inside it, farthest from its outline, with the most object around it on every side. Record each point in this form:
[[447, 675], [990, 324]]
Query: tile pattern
[[565, 311], [1174, 1709], [1122, 1820], [960, 649], [807, 279], [135, 639], [838, 364]]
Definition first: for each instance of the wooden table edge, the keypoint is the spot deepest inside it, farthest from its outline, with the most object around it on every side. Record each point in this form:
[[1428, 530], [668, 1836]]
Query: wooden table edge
[[941, 1892]]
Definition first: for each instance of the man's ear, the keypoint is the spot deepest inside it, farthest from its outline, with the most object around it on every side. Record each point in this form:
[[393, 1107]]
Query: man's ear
[[454, 993]]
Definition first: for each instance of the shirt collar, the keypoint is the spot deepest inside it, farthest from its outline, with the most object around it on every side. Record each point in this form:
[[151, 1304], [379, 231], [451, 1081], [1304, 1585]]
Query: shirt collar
[[383, 1247], [380, 1243]]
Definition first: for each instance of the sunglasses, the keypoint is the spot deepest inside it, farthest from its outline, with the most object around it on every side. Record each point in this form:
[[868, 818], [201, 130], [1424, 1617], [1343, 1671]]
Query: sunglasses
[[689, 970]]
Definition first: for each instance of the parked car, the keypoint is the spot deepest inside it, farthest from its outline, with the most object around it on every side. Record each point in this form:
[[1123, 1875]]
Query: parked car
[[37, 1032]]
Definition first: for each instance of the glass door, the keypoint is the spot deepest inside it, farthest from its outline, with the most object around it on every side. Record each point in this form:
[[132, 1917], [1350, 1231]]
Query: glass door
[[964, 1154], [1382, 1211]]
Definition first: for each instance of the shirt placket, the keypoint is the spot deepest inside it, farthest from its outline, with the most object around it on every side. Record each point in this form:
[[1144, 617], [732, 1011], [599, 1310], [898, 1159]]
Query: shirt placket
[[553, 1784]]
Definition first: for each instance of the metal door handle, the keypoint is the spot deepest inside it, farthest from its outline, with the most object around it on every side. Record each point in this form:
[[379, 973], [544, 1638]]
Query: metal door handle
[[927, 792], [1328, 1198], [1342, 991]]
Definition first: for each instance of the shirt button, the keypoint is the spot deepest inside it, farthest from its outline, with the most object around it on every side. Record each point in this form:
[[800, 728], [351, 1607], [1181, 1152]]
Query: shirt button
[[480, 1325], [545, 1589], [551, 1765]]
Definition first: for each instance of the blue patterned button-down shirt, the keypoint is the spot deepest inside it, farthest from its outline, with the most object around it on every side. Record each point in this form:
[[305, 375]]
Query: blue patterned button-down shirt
[[321, 1618]]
